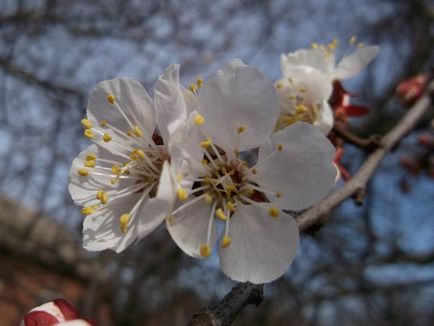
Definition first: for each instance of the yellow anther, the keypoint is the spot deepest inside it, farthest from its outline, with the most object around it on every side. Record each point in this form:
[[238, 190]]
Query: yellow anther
[[83, 172], [192, 88], [102, 196], [99, 194], [254, 171], [206, 143], [302, 89], [103, 123], [91, 157], [88, 210], [279, 147], [290, 80], [116, 169], [208, 198], [182, 194], [205, 161], [86, 123], [123, 222], [300, 108], [105, 198], [170, 219], [88, 133], [278, 194], [137, 131], [314, 45], [111, 98], [353, 40], [361, 45], [130, 133], [231, 188], [292, 97], [113, 181], [226, 241], [241, 129], [106, 137], [220, 214], [274, 211], [137, 154], [90, 164], [230, 205], [199, 82], [199, 119], [140, 154], [279, 85], [205, 250]]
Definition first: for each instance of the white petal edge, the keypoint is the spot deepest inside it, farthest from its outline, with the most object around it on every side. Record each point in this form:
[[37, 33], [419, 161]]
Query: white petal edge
[[302, 172], [153, 212], [242, 99], [326, 120], [170, 106], [262, 247], [189, 228], [101, 229], [83, 189], [352, 64], [132, 99]]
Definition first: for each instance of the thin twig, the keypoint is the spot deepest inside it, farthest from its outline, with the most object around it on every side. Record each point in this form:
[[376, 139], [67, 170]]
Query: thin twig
[[370, 143]]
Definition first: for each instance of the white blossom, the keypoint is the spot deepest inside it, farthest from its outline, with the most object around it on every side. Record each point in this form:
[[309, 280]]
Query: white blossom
[[238, 109], [307, 82], [126, 181]]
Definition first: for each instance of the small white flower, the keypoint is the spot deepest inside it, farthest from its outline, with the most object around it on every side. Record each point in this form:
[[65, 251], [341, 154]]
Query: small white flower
[[323, 59], [125, 182], [303, 96], [306, 86], [238, 109]]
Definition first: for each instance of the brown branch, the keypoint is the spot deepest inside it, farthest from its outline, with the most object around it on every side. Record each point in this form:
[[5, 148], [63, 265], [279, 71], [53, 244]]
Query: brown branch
[[356, 186], [230, 306], [224, 312], [370, 143]]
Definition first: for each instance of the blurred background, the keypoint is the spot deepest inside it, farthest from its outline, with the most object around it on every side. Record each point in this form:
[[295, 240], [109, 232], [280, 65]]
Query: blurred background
[[370, 265]]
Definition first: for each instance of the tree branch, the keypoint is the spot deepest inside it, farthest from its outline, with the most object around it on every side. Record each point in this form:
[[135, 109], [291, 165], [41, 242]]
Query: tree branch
[[224, 312], [356, 186]]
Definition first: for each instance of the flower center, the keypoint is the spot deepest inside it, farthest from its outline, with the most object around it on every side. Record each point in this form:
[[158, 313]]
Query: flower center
[[135, 166], [227, 182]]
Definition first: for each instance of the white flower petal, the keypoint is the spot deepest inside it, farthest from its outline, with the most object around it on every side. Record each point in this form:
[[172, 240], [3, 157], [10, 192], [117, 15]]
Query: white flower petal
[[306, 58], [326, 120], [131, 97], [262, 247], [240, 108], [302, 171], [231, 66], [189, 228], [101, 230], [155, 210], [83, 189], [170, 107], [352, 64], [186, 153]]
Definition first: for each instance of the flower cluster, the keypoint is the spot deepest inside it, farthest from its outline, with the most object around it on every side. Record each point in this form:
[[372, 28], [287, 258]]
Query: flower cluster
[[311, 77], [209, 161]]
